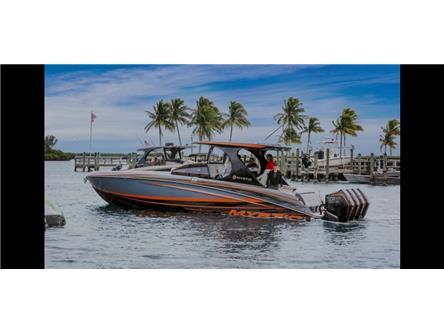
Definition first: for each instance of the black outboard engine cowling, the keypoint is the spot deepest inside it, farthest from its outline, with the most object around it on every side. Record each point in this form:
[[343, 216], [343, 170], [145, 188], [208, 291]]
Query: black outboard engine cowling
[[345, 206]]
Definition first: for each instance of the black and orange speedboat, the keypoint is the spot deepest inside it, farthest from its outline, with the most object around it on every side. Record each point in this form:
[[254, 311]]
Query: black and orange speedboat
[[224, 183]]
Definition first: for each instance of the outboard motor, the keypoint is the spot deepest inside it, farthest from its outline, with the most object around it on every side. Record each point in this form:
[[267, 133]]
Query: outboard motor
[[345, 206]]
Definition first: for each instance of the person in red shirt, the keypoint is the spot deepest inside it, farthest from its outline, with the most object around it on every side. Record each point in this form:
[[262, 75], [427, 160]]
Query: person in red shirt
[[270, 164]]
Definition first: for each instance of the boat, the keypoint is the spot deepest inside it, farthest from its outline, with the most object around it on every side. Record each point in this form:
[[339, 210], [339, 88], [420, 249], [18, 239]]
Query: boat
[[382, 178], [225, 185], [160, 158], [53, 214], [336, 158]]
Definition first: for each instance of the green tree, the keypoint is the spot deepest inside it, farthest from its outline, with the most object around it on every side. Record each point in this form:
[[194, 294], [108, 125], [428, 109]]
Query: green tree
[[387, 139], [206, 119], [161, 117], [179, 114], [393, 127], [237, 116], [314, 126], [52, 154], [338, 129], [390, 131], [345, 125], [290, 120], [50, 142]]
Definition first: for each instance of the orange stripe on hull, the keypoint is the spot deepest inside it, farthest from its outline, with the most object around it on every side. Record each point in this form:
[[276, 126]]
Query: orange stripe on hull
[[190, 207], [241, 211]]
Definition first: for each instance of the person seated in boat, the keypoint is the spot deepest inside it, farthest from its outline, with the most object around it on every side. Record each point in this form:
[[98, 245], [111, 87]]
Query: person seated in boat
[[252, 166], [306, 160], [274, 179], [270, 162]]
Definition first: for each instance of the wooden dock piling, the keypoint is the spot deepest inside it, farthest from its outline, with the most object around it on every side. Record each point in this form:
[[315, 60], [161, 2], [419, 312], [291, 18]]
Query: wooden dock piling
[[297, 163], [315, 167], [284, 164], [384, 163], [327, 165]]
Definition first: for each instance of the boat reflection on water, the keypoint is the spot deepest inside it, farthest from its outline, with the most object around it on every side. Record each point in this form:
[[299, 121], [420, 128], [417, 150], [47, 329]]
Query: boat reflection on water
[[344, 234], [245, 234], [243, 241], [237, 234]]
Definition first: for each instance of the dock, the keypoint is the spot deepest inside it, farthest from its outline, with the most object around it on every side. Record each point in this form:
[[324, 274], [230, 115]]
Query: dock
[[94, 161], [292, 167]]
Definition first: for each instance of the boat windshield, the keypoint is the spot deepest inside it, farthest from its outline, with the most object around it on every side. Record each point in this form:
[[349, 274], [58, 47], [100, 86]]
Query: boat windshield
[[244, 163], [151, 158]]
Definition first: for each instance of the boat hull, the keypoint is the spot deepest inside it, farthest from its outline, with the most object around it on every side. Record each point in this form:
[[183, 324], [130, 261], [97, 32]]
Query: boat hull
[[375, 180], [158, 190]]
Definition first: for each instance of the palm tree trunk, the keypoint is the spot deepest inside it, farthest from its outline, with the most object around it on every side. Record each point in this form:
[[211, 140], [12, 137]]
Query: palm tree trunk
[[178, 133], [160, 136], [344, 144], [385, 149], [200, 146], [231, 131], [390, 151], [340, 145], [308, 140]]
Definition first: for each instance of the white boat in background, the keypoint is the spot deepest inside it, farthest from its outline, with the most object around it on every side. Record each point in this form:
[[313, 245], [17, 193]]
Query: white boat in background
[[336, 158], [379, 177], [388, 178]]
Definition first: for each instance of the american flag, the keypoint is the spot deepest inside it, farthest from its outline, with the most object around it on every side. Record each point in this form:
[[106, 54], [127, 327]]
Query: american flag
[[93, 116]]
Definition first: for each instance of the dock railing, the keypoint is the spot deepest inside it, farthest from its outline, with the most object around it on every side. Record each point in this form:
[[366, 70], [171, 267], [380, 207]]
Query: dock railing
[[95, 161], [292, 166]]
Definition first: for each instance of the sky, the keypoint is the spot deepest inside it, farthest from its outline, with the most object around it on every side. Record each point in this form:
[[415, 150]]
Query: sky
[[119, 95]]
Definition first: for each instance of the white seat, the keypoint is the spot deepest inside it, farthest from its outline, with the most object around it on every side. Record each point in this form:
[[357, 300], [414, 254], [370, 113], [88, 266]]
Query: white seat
[[263, 178], [214, 169]]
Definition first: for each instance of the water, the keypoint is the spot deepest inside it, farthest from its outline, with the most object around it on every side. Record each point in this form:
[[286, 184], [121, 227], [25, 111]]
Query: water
[[98, 235]]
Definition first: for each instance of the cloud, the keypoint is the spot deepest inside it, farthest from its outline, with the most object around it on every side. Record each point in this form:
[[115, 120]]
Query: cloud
[[119, 96]]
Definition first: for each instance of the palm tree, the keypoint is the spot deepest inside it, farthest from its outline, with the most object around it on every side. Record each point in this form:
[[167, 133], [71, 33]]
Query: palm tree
[[390, 131], [179, 114], [291, 119], [290, 136], [338, 129], [207, 120], [161, 117], [388, 139], [237, 116], [345, 125], [50, 141], [350, 121], [393, 127], [314, 126]]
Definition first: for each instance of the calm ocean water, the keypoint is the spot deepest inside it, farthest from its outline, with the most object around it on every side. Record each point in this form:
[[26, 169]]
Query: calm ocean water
[[98, 235]]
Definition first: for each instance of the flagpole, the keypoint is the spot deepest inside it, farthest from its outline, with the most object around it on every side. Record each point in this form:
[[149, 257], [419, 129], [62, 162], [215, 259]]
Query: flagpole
[[90, 133]]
